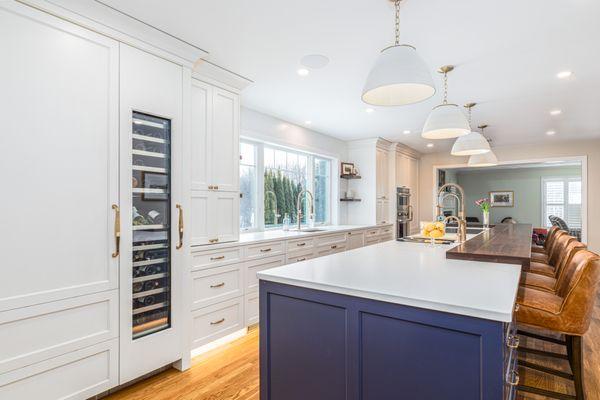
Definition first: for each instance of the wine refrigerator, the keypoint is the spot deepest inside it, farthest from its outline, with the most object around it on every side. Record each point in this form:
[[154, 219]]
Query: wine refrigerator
[[151, 225]]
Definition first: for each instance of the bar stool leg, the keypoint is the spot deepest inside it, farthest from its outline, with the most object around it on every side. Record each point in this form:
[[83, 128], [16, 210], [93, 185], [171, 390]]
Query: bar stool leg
[[575, 352]]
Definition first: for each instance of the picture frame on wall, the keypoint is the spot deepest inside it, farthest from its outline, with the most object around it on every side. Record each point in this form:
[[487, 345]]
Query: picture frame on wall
[[347, 168], [504, 198]]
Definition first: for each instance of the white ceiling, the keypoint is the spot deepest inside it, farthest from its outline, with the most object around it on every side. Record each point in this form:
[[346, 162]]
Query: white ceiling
[[507, 55]]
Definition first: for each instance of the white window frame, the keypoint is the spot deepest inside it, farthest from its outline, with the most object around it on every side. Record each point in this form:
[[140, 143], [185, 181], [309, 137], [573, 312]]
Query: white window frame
[[260, 184], [565, 204]]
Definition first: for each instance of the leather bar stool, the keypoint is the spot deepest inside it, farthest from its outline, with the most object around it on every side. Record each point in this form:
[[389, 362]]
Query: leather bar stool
[[545, 257], [568, 311], [548, 283], [549, 268], [543, 249]]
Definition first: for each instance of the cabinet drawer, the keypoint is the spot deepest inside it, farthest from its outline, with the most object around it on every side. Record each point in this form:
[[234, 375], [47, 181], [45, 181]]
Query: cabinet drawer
[[328, 240], [32, 334], [254, 266], [214, 285], [372, 240], [215, 258], [372, 232], [300, 245], [251, 308], [79, 374], [218, 320], [262, 250], [298, 256], [386, 230], [330, 249]]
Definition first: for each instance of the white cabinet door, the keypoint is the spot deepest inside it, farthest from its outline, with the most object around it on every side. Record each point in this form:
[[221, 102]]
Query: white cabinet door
[[355, 240], [59, 163], [414, 193], [154, 86], [225, 141], [201, 218], [382, 212], [382, 174], [225, 211], [201, 135]]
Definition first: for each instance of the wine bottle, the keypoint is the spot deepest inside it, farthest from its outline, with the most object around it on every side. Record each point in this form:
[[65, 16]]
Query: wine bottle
[[155, 217], [151, 285], [146, 301], [138, 219], [138, 287]]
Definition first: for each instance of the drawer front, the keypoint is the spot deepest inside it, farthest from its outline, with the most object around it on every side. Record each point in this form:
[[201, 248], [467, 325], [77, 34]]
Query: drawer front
[[213, 322], [300, 245], [371, 240], [33, 334], [327, 240], [330, 249], [372, 232], [299, 256], [80, 374], [355, 240], [386, 238], [254, 266], [263, 250], [386, 231], [215, 258], [251, 308], [214, 285]]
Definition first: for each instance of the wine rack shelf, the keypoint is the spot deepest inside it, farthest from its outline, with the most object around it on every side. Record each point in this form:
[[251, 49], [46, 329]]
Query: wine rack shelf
[[149, 293], [150, 262], [149, 138], [150, 308], [149, 154], [149, 277]]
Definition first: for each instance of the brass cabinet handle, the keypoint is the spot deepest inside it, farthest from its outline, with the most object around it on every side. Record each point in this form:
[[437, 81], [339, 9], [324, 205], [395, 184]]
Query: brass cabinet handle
[[213, 240], [265, 250], [217, 258], [301, 259], [213, 187], [117, 231], [180, 244], [515, 380], [218, 285], [334, 246], [300, 244], [216, 187], [512, 342], [218, 322]]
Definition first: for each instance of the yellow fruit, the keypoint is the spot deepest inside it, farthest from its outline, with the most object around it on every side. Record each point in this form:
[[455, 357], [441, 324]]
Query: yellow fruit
[[425, 232], [430, 227], [436, 233], [440, 225]]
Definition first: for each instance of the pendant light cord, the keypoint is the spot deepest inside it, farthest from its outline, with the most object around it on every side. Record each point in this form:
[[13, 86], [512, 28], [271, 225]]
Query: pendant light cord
[[397, 22], [446, 88]]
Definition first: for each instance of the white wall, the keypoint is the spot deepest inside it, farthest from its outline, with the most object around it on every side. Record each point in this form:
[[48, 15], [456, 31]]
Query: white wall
[[589, 148], [265, 128]]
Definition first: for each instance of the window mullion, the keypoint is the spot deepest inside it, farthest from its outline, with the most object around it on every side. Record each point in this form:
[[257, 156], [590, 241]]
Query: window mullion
[[260, 183]]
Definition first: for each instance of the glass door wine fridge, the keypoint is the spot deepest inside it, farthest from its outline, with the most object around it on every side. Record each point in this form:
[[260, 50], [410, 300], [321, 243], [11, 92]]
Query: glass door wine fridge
[[151, 223]]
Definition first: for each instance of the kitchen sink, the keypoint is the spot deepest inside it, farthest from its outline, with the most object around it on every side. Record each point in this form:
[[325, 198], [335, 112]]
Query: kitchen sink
[[310, 230], [424, 240]]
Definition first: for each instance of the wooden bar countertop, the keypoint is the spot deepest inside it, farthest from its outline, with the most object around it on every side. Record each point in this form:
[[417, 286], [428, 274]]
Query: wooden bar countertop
[[504, 243]]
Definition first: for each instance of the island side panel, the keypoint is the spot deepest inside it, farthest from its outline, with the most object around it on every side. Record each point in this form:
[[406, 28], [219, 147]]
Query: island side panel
[[390, 350]]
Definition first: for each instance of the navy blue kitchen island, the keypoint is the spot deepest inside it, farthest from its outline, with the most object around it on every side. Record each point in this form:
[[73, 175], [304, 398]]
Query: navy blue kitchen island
[[388, 322]]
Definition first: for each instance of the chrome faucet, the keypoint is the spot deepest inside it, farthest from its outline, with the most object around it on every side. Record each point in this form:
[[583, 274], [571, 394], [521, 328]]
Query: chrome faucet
[[299, 209], [460, 219]]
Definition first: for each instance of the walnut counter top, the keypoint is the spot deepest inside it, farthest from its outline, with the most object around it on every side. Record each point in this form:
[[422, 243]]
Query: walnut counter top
[[504, 243]]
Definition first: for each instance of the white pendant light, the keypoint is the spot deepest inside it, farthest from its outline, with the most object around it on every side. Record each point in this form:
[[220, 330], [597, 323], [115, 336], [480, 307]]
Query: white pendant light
[[473, 143], [446, 121], [483, 160], [399, 76]]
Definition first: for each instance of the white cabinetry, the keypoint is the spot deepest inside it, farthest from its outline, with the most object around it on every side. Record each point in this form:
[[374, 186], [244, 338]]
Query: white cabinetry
[[407, 175], [215, 164]]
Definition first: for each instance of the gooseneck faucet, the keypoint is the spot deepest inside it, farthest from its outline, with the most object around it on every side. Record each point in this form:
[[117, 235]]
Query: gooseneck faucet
[[462, 222], [299, 209]]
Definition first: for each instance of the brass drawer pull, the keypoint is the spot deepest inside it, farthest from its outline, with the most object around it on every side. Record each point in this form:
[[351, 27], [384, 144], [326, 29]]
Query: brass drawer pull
[[180, 227], [218, 322], [217, 258], [218, 285], [515, 380], [512, 342], [213, 240], [265, 250], [300, 244], [334, 246], [117, 231], [301, 259]]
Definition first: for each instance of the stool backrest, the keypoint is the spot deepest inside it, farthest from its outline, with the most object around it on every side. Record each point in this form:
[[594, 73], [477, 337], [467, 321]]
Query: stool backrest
[[559, 248], [550, 236], [579, 289], [552, 245], [565, 258]]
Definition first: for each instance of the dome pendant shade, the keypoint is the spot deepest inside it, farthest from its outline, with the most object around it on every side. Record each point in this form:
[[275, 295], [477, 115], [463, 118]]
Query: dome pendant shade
[[488, 159], [471, 144], [446, 121], [399, 77]]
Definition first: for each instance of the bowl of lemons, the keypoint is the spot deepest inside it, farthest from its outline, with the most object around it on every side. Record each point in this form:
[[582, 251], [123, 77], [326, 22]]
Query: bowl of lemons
[[433, 230]]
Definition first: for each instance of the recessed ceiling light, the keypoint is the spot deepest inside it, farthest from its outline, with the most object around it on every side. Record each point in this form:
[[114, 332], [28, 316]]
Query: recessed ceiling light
[[406, 132], [564, 74], [303, 72], [308, 122], [551, 133], [314, 61], [369, 110], [430, 145], [555, 112]]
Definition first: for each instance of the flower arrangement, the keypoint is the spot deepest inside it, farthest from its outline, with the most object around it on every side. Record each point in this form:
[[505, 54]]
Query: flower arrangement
[[484, 204]]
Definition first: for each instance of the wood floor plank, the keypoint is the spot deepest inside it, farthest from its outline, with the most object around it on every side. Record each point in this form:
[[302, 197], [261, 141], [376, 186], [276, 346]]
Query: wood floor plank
[[231, 372]]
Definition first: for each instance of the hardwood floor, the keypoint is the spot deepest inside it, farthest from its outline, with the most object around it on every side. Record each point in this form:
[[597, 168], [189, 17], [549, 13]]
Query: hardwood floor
[[231, 373]]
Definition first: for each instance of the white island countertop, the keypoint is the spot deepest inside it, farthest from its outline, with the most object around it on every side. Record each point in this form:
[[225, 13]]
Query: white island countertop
[[412, 274]]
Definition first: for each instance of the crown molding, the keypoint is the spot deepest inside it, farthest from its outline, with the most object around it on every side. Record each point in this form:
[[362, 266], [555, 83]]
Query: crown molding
[[403, 149]]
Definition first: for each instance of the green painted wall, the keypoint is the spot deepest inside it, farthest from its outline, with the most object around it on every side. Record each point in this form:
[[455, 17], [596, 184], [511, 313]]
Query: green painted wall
[[525, 182]]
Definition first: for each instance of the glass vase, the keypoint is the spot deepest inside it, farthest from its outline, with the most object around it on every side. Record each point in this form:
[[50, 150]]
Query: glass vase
[[486, 219]]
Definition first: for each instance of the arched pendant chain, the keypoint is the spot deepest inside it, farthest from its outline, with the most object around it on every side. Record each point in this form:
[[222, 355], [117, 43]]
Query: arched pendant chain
[[445, 88], [469, 108], [397, 22]]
